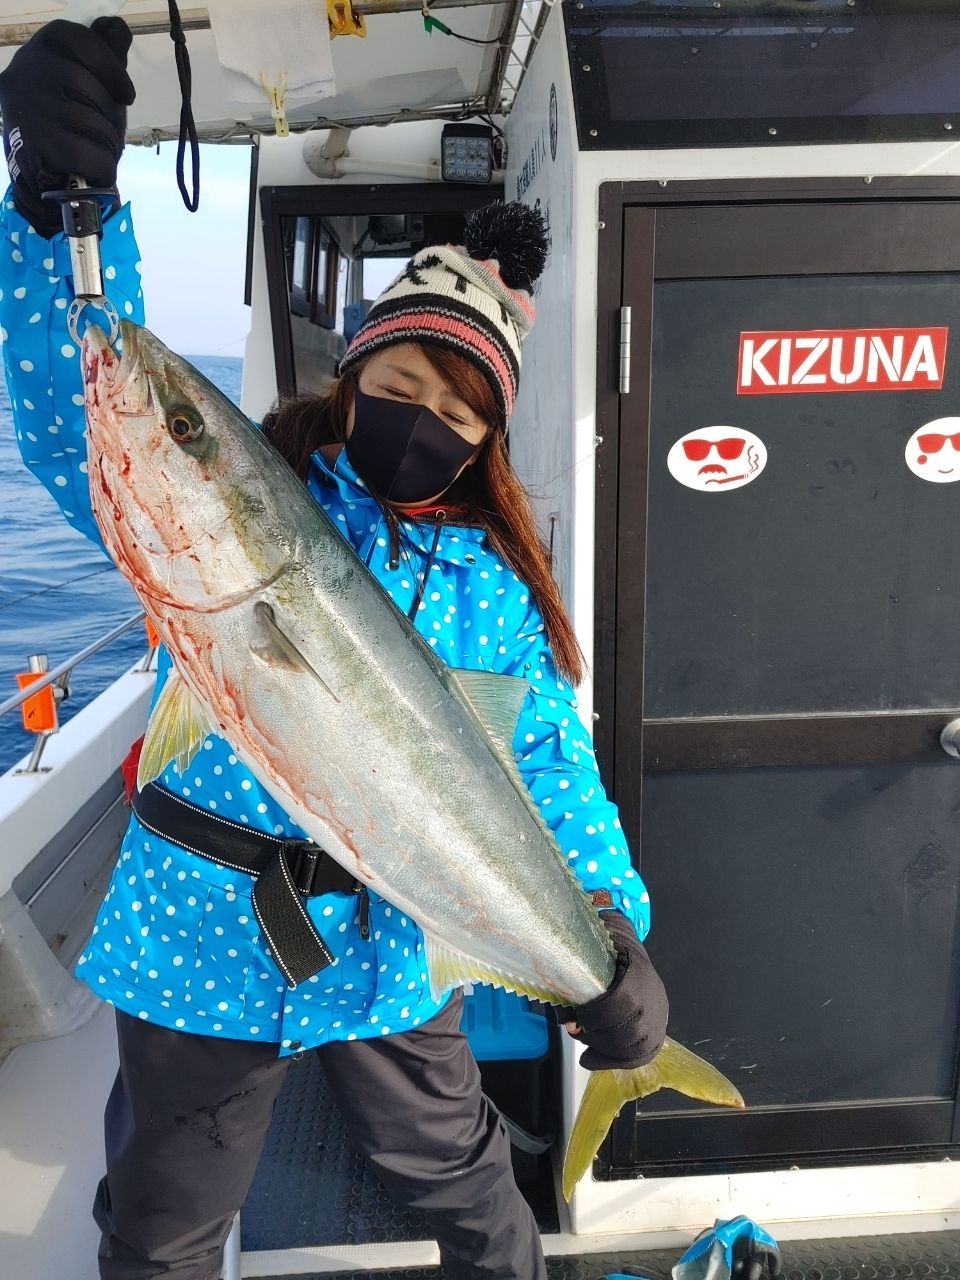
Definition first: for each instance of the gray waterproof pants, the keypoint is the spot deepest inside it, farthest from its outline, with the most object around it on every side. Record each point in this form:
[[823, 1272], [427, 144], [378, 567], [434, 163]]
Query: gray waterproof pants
[[187, 1117]]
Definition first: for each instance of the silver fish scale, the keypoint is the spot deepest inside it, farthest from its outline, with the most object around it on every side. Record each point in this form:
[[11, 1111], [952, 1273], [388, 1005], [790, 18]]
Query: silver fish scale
[[380, 759]]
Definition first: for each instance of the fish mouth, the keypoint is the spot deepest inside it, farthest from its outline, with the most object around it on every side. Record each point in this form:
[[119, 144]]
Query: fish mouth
[[121, 380], [132, 358], [98, 360]]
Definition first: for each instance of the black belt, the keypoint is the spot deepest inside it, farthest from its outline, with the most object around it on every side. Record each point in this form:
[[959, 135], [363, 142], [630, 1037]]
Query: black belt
[[284, 870]]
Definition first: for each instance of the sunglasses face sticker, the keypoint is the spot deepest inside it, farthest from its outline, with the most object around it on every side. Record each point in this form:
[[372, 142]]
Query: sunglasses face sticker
[[933, 452], [716, 459]]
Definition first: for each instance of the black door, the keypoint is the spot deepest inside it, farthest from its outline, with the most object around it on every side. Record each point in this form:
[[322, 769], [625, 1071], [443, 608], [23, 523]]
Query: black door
[[785, 609]]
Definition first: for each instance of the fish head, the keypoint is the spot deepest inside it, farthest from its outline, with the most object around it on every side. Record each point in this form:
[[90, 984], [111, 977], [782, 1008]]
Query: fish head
[[180, 480]]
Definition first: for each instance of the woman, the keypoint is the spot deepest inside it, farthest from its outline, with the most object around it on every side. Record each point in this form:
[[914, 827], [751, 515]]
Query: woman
[[206, 1023]]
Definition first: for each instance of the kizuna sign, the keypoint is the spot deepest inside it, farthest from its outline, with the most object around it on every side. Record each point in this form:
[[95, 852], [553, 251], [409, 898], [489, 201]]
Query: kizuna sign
[[820, 360]]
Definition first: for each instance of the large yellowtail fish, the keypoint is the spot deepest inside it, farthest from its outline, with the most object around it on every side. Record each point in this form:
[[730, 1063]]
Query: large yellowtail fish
[[283, 642]]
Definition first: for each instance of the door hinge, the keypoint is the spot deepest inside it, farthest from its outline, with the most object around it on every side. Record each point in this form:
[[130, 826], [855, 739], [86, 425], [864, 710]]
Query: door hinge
[[624, 350]]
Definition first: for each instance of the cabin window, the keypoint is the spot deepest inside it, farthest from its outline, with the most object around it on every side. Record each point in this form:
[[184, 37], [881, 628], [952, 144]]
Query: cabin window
[[323, 295], [661, 73], [331, 251], [342, 290], [301, 261]]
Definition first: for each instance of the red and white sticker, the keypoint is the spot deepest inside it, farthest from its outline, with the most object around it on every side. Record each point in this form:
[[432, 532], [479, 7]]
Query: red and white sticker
[[933, 452], [788, 362], [717, 459]]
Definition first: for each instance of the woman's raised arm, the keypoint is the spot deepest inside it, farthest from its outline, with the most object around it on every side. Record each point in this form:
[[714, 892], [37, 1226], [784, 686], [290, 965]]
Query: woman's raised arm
[[63, 98]]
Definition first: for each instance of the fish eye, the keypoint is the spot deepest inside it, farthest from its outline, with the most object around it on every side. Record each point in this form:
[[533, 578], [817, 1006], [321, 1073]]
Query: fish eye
[[184, 424]]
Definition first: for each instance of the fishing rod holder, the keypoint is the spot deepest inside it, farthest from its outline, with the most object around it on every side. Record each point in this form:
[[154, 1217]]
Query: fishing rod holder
[[83, 227], [39, 711], [38, 680]]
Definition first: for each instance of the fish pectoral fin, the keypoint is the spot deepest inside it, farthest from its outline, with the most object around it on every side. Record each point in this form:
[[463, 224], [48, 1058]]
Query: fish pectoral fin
[[278, 650], [497, 700], [178, 725], [448, 968], [674, 1067]]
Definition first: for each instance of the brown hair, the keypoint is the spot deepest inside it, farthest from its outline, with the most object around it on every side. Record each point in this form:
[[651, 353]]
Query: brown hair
[[488, 494]]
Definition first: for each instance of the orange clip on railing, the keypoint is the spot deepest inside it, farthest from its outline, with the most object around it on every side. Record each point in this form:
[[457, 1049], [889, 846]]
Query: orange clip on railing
[[153, 636], [39, 713]]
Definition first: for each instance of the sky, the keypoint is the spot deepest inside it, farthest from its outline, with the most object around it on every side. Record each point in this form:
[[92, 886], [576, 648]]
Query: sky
[[193, 263]]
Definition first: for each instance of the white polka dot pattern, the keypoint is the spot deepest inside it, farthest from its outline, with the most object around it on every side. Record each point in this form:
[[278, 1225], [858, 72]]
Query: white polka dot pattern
[[39, 356], [176, 939]]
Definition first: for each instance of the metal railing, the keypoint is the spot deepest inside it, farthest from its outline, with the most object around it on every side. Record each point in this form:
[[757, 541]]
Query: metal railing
[[59, 677]]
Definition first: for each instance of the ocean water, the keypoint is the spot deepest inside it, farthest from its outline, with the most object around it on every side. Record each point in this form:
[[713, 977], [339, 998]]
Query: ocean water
[[58, 592]]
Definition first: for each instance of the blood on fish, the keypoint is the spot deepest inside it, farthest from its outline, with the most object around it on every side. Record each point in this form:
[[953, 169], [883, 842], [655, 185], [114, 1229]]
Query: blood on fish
[[345, 833]]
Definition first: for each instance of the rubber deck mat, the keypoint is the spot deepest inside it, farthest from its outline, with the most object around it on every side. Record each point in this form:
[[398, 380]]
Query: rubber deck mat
[[311, 1189], [934, 1256]]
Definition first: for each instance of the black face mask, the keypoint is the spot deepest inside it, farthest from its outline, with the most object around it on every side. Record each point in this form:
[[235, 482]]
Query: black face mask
[[404, 452]]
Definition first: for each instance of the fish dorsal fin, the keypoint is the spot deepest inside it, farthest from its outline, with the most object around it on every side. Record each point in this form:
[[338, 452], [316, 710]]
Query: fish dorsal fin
[[178, 725], [278, 650], [449, 968], [497, 700]]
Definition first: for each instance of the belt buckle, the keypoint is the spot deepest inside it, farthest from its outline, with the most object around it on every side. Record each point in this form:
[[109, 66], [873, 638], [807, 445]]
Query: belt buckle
[[303, 859]]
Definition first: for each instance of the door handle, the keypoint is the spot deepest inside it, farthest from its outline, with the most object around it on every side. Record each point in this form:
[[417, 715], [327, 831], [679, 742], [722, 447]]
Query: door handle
[[950, 738]]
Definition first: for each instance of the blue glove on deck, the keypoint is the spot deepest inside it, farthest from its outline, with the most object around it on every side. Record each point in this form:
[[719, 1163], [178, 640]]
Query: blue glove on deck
[[734, 1250]]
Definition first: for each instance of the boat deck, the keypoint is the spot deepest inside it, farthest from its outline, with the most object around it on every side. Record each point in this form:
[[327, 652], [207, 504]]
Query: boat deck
[[902, 1257], [311, 1189], [312, 1192], [314, 1209]]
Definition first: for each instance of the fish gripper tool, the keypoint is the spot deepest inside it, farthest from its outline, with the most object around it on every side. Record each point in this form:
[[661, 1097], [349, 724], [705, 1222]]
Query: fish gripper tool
[[82, 225]]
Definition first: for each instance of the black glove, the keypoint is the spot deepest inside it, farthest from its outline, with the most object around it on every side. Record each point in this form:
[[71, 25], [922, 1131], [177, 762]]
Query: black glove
[[64, 100], [625, 1027], [750, 1257]]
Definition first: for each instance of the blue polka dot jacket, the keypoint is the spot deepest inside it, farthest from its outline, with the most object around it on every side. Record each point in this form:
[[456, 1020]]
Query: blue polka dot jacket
[[176, 940]]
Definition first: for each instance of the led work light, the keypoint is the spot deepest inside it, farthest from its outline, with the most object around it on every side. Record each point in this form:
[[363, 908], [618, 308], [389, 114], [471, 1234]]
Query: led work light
[[466, 153]]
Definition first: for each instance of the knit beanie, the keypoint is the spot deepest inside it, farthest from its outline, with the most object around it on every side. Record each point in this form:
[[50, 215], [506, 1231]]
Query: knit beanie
[[473, 299]]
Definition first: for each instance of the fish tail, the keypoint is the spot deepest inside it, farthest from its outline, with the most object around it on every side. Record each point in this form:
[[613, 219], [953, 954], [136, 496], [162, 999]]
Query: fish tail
[[674, 1067]]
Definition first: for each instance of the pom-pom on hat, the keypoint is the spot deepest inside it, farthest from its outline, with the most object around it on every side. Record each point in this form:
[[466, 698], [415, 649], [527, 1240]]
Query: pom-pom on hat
[[474, 299]]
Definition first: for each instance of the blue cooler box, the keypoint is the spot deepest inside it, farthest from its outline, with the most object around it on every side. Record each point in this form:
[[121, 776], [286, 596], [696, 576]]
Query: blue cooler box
[[510, 1040], [503, 1027]]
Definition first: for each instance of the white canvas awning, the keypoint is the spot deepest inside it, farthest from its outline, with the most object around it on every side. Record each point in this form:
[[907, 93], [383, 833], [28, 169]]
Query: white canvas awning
[[396, 71]]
